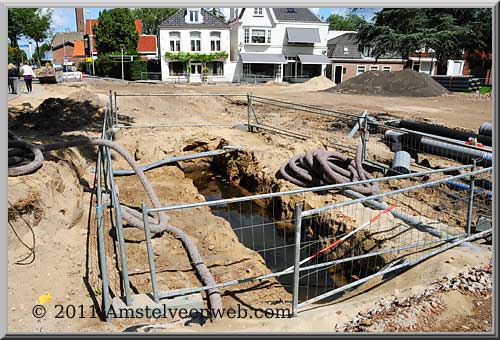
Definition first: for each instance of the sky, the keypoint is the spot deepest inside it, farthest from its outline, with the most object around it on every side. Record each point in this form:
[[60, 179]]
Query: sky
[[64, 18]]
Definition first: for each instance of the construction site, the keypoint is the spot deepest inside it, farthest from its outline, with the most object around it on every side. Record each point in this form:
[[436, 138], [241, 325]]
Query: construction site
[[361, 207]]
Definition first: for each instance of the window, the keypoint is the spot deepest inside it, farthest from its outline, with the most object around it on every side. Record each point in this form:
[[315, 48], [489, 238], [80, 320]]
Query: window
[[268, 36], [257, 12], [176, 68], [175, 41], [193, 16], [346, 50], [360, 70], [195, 41], [344, 70], [290, 10], [258, 36], [247, 36], [214, 41], [373, 67], [386, 68]]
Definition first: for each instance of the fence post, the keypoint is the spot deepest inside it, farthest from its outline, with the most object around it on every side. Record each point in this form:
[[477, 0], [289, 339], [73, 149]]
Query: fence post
[[149, 247], [296, 270], [363, 136], [471, 198], [115, 116], [249, 112]]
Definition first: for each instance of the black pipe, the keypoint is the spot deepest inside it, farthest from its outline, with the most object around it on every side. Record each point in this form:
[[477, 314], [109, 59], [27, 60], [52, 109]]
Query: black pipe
[[443, 131]]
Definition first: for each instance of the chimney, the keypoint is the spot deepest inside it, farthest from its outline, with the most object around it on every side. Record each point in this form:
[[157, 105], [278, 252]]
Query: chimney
[[80, 26]]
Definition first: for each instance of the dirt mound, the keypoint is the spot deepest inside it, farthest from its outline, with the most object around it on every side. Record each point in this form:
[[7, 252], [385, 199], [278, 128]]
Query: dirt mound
[[314, 84], [55, 115], [406, 83]]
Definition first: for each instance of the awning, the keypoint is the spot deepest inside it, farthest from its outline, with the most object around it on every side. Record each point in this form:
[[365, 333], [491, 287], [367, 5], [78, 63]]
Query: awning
[[262, 58], [314, 59], [303, 35]]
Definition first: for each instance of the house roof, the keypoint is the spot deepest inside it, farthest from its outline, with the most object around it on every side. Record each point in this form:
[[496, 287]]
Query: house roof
[[298, 15], [88, 25], [91, 22], [147, 43], [67, 36], [346, 46], [78, 48], [177, 20]]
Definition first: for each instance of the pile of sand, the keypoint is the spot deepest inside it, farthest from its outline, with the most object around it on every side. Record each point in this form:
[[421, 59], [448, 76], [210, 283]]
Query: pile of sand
[[314, 84], [55, 115], [406, 83]]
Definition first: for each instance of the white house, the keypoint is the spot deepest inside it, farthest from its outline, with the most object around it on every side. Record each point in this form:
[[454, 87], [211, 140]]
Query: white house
[[195, 31], [277, 44]]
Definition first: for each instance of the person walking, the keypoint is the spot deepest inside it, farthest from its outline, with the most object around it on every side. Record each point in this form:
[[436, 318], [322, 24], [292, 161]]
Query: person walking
[[13, 76], [28, 75]]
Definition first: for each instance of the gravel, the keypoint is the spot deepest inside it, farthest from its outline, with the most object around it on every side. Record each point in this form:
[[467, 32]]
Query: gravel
[[395, 313]]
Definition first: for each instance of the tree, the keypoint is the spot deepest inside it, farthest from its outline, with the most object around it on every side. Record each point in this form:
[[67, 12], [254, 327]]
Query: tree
[[16, 55], [447, 31], [116, 26], [41, 50], [18, 22], [38, 28], [217, 12], [152, 17], [350, 22]]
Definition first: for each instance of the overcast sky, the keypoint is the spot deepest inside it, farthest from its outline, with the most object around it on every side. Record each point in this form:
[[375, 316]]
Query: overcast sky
[[64, 18]]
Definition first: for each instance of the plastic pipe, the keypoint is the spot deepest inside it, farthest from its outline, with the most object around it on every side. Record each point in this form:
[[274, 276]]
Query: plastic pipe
[[460, 153], [486, 129], [463, 186], [401, 163]]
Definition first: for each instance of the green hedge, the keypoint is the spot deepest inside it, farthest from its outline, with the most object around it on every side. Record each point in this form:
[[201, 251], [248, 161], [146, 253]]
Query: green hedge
[[106, 67]]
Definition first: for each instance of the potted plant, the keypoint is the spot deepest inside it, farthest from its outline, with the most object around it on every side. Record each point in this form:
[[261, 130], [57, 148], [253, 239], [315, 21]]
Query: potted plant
[[204, 71]]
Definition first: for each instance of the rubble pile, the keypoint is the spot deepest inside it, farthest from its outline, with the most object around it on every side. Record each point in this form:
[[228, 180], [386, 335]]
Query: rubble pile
[[408, 313]]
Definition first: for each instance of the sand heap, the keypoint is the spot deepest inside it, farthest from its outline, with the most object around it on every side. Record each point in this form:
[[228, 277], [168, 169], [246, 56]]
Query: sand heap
[[406, 83], [55, 115], [314, 84]]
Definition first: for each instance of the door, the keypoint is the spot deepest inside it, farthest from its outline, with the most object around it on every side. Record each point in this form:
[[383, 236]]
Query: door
[[338, 74], [196, 68]]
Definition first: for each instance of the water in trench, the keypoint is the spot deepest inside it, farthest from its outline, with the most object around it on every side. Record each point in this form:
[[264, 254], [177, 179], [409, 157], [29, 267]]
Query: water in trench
[[279, 244]]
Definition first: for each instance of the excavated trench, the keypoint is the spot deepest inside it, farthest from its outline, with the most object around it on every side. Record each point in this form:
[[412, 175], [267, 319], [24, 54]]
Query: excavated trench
[[238, 174]]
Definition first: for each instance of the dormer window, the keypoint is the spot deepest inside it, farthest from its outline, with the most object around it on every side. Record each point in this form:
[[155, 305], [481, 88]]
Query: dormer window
[[346, 50], [290, 10], [258, 12], [193, 16]]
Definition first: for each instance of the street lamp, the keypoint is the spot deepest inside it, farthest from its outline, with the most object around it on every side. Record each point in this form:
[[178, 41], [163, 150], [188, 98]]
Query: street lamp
[[122, 46], [64, 46], [91, 41]]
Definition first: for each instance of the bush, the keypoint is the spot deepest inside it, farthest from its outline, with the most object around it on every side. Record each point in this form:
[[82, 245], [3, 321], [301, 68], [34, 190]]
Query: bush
[[136, 69], [106, 67], [82, 67]]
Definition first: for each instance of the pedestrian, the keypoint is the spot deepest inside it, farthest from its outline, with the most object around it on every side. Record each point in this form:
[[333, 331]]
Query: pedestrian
[[13, 76], [28, 75]]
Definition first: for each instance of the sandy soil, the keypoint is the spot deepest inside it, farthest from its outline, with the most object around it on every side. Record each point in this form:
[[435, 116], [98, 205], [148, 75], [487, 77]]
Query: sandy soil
[[57, 201]]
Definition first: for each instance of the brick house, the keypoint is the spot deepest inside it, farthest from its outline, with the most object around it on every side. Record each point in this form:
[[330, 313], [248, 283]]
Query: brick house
[[65, 42], [349, 59]]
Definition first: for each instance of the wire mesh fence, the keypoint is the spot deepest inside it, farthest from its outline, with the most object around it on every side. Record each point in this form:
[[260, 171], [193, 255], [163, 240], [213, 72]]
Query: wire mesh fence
[[265, 251], [350, 242], [178, 110], [302, 122]]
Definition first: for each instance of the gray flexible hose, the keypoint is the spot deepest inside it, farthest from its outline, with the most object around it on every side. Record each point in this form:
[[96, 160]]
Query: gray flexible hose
[[132, 217], [321, 167]]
